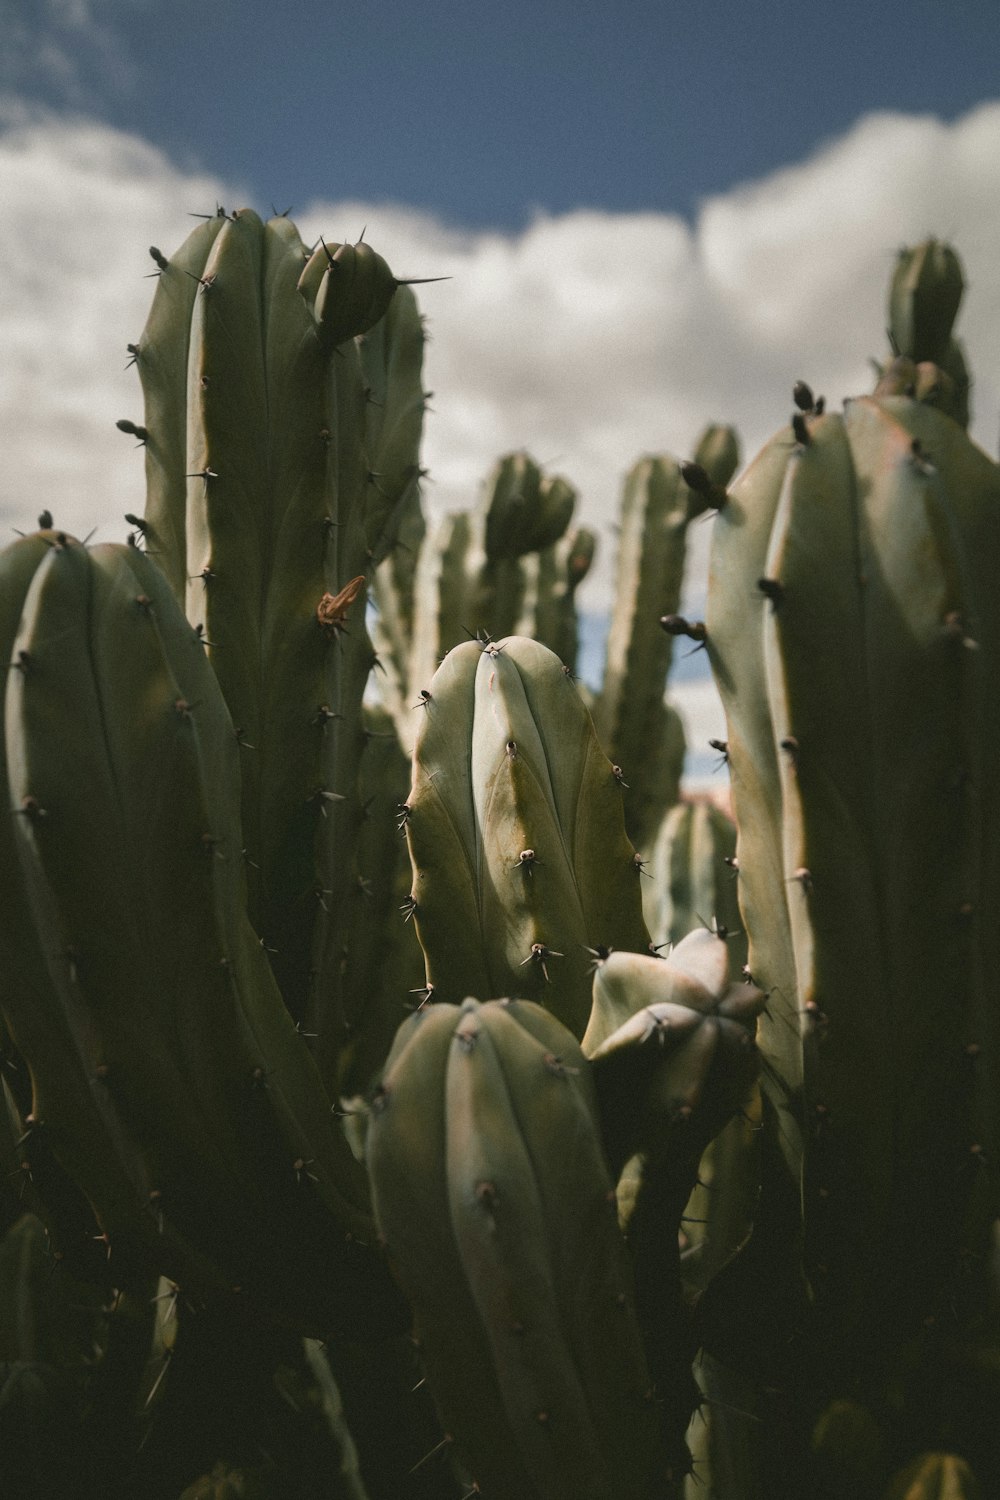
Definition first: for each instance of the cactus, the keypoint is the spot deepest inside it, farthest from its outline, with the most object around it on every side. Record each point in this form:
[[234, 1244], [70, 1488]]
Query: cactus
[[639, 731], [199, 952], [166, 1050], [493, 1196], [281, 460], [521, 865], [504, 567], [928, 363], [866, 798]]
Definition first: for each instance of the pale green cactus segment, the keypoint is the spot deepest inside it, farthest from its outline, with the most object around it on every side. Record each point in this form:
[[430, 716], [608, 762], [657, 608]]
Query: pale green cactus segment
[[924, 297], [582, 1432], [547, 596], [441, 830], [693, 879], [350, 287], [522, 509], [162, 361], [718, 453], [144, 871], [515, 817], [935, 1476], [873, 785], [278, 505], [735, 614], [695, 976], [391, 364], [558, 872], [496, 1218], [649, 572], [406, 1147]]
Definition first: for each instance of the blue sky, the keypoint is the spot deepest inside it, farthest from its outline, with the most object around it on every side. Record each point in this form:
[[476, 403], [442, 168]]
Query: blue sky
[[483, 113], [653, 216]]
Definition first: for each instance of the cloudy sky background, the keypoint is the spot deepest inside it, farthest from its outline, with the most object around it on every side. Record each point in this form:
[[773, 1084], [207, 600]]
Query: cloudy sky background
[[650, 221]]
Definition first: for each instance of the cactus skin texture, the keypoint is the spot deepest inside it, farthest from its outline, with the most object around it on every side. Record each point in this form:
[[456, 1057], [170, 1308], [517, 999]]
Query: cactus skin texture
[[267, 511], [167, 1073], [862, 701], [521, 865], [935, 1476], [493, 1197]]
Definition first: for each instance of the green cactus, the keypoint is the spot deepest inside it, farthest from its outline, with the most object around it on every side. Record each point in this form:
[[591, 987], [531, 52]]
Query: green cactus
[[853, 629], [493, 1196], [928, 363], [514, 822], [692, 869], [170, 1079], [640, 732], [281, 461], [505, 567]]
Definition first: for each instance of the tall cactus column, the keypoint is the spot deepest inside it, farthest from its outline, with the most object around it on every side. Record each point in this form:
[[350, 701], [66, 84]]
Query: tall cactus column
[[267, 513], [853, 624]]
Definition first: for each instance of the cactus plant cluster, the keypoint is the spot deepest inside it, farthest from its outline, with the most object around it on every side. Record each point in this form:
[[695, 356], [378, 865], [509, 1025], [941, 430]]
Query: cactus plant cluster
[[405, 1091]]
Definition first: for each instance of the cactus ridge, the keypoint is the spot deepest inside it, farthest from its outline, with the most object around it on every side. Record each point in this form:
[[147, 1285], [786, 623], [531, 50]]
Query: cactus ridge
[[856, 838], [520, 858], [123, 741], [529, 1233]]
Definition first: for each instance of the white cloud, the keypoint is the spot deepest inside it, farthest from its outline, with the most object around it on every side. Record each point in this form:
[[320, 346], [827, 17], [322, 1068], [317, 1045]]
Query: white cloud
[[588, 338]]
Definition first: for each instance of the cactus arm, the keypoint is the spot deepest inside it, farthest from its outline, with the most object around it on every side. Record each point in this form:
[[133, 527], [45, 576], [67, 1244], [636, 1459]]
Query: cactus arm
[[735, 614], [406, 1155], [162, 361]]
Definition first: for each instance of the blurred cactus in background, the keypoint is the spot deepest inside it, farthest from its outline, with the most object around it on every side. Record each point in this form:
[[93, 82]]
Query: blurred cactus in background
[[408, 1088]]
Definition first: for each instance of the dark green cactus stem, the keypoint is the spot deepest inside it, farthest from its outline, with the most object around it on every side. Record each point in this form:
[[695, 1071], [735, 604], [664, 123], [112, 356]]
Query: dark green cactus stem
[[632, 721], [269, 510], [924, 298], [218, 1159], [929, 363], [673, 1060], [521, 864], [867, 797], [493, 1197]]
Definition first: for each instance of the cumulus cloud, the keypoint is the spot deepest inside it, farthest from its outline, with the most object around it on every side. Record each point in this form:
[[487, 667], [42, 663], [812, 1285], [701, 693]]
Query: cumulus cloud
[[588, 338]]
